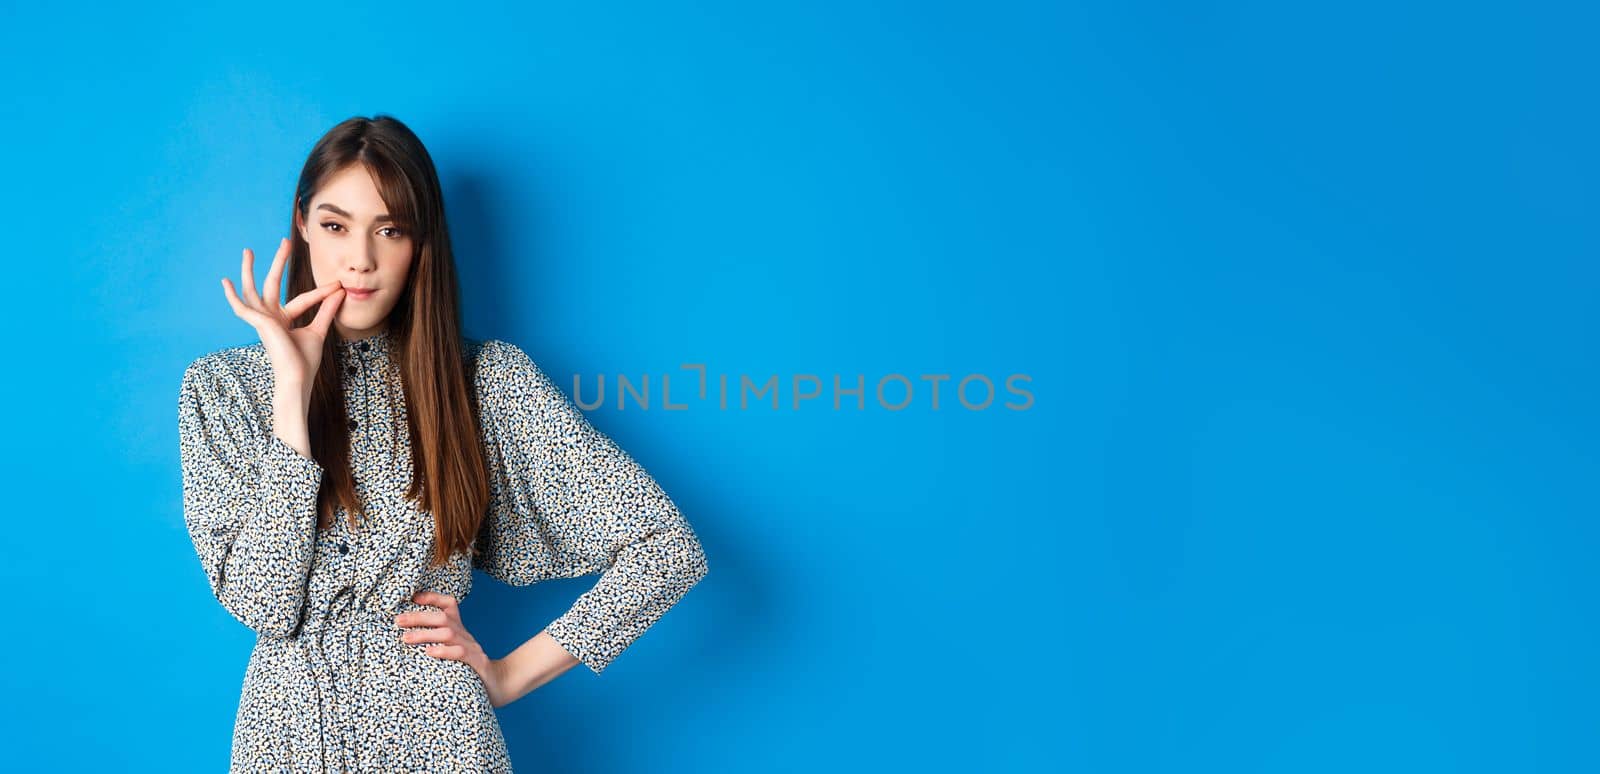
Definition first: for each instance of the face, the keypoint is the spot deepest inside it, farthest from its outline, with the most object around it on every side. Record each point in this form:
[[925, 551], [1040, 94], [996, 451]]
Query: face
[[353, 240]]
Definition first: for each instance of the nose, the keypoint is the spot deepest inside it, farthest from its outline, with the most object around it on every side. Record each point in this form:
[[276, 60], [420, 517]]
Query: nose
[[361, 259]]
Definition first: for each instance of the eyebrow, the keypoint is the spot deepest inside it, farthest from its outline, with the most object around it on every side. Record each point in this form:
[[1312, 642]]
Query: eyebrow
[[384, 218]]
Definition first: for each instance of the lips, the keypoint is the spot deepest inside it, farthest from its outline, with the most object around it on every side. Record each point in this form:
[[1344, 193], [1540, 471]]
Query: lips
[[360, 292]]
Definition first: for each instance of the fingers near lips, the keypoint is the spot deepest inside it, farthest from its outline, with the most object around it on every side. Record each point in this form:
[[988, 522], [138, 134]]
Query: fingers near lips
[[247, 276]]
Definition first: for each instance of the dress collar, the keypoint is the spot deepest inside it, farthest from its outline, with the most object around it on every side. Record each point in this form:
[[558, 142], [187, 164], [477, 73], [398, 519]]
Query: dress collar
[[374, 346]]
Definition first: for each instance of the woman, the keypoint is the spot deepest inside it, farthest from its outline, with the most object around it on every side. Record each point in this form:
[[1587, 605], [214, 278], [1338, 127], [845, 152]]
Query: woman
[[343, 476]]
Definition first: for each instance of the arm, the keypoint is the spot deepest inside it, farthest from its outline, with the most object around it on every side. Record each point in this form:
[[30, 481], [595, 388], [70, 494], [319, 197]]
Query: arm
[[565, 501], [534, 663], [249, 499]]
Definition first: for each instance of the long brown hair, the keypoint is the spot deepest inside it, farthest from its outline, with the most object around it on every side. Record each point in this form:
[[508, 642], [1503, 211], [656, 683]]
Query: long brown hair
[[449, 475]]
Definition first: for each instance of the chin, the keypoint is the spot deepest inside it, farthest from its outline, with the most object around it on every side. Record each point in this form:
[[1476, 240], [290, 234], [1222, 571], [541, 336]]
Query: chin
[[354, 323]]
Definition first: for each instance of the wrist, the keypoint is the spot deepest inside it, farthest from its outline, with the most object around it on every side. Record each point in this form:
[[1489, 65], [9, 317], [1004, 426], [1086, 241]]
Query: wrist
[[497, 678], [480, 661]]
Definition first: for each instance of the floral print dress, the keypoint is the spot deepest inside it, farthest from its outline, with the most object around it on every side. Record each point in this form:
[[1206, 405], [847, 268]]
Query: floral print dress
[[330, 686]]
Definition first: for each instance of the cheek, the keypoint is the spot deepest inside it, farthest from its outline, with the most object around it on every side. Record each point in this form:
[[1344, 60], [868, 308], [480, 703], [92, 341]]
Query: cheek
[[398, 265], [317, 253], [320, 269]]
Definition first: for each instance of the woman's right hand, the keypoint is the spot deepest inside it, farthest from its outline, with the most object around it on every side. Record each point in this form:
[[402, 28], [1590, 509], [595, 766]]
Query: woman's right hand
[[295, 352]]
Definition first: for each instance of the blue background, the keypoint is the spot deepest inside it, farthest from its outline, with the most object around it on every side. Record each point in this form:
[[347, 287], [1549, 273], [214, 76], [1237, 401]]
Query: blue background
[[1306, 296]]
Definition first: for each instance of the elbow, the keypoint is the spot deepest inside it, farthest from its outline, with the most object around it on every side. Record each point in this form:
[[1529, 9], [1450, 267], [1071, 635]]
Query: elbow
[[276, 626], [270, 604], [259, 578], [266, 617], [692, 566], [698, 565], [671, 562]]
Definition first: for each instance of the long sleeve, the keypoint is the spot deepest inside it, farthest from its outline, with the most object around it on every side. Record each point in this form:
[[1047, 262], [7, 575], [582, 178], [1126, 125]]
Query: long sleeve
[[565, 502], [249, 501]]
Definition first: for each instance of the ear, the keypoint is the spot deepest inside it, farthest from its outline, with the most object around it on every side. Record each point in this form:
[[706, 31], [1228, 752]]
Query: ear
[[299, 223]]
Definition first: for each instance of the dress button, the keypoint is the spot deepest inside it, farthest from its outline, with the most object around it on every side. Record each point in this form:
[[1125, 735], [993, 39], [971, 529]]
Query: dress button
[[352, 424], [344, 548], [351, 370], [363, 346]]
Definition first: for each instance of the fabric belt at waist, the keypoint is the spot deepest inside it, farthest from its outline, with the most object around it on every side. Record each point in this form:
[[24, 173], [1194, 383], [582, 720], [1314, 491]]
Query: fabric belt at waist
[[350, 616]]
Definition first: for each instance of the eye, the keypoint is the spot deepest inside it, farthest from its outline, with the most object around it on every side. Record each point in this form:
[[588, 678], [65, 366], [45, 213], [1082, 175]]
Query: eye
[[397, 232], [331, 223]]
